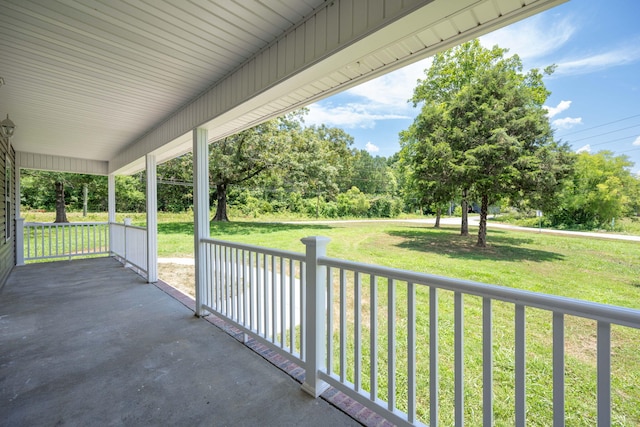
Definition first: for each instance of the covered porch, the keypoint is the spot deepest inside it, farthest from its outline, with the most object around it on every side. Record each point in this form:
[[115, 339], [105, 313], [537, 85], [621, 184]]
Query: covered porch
[[88, 342], [113, 90]]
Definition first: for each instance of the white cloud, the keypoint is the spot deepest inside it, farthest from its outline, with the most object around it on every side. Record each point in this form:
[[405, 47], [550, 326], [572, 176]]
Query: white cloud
[[554, 111], [347, 116], [392, 90], [637, 141], [549, 36], [588, 64], [567, 122], [383, 98], [584, 148], [371, 148]]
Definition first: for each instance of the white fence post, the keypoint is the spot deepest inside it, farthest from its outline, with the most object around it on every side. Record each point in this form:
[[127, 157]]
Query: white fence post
[[316, 306]]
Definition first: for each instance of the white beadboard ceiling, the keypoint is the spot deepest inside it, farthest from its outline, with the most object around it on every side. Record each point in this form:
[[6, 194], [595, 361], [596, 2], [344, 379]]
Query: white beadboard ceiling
[[109, 81]]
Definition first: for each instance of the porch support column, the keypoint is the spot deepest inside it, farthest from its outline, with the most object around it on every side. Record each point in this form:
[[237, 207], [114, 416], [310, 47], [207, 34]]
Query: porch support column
[[111, 197], [152, 219], [200, 211], [19, 220], [111, 205]]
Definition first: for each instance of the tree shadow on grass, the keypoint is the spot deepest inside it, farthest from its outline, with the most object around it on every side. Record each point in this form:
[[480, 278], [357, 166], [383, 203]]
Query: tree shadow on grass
[[500, 245], [237, 228]]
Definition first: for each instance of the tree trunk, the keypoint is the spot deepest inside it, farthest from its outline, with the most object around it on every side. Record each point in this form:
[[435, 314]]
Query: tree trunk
[[438, 214], [482, 231], [221, 208], [464, 229], [61, 212]]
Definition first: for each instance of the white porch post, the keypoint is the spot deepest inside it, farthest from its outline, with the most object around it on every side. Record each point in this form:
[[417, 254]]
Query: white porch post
[[315, 343], [111, 197], [19, 220], [200, 210], [152, 219], [111, 205]]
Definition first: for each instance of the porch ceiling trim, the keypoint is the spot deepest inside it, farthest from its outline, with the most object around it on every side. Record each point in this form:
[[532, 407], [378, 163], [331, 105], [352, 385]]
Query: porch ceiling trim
[[61, 163]]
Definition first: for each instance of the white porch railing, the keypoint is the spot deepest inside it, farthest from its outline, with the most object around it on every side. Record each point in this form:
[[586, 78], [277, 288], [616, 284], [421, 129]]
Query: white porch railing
[[129, 245], [259, 290], [42, 241], [50, 241], [263, 292]]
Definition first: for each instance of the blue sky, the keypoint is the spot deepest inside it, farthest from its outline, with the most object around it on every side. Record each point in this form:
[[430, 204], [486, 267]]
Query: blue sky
[[595, 90]]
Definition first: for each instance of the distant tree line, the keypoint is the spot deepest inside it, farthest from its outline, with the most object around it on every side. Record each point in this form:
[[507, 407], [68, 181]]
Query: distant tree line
[[600, 189]]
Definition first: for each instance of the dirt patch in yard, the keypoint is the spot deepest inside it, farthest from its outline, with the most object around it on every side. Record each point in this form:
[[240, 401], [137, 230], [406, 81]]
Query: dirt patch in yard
[[179, 276]]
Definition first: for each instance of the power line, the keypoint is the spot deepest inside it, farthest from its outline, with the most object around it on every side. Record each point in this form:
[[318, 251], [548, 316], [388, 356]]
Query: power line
[[633, 149], [610, 140], [606, 133], [171, 182], [602, 125]]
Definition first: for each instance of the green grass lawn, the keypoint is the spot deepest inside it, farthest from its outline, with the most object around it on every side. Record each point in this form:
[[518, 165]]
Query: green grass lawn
[[604, 271]]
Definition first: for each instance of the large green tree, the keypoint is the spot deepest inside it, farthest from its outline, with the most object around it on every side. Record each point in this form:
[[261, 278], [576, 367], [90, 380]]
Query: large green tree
[[448, 74], [432, 172], [490, 114], [502, 129], [281, 154], [242, 157]]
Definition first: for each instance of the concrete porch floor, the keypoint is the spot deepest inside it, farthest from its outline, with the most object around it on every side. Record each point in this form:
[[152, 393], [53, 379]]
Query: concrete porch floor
[[87, 342]]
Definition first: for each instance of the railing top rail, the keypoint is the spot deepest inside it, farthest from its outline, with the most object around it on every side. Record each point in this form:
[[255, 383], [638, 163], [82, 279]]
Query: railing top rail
[[120, 224], [592, 310], [296, 256], [135, 227], [63, 224]]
